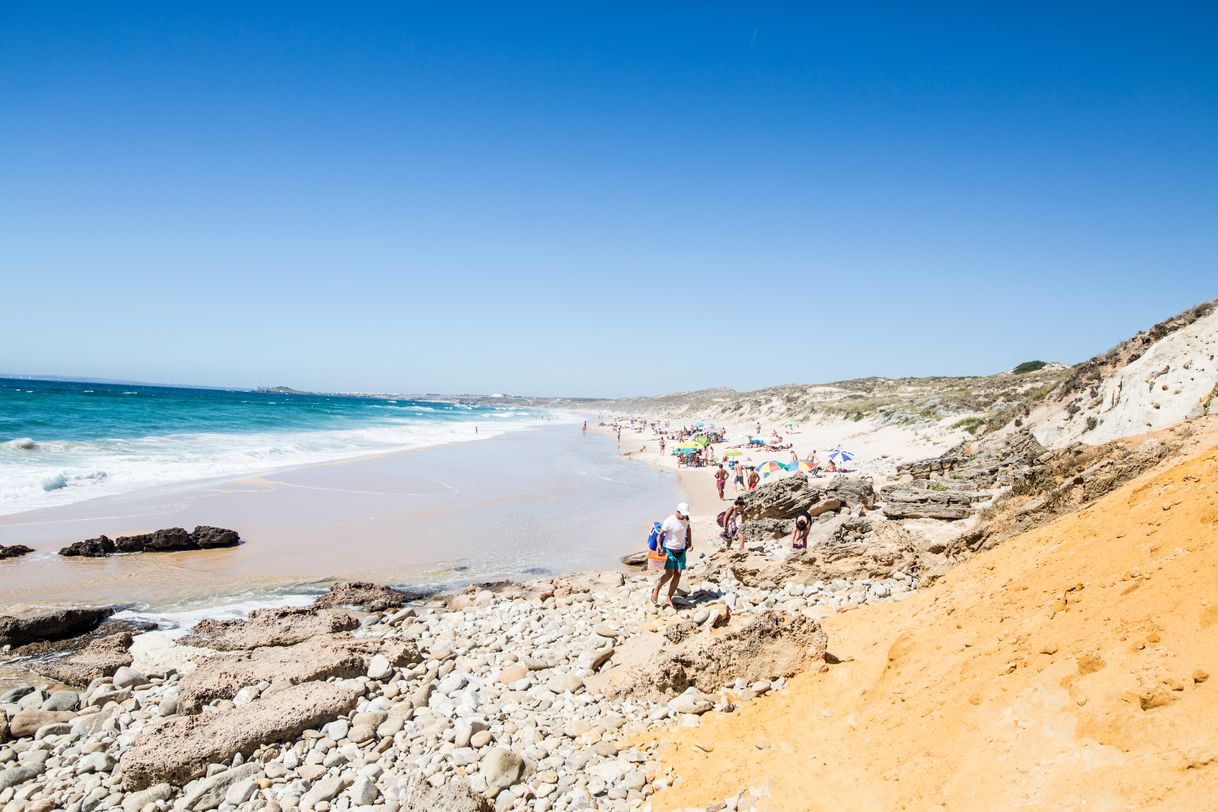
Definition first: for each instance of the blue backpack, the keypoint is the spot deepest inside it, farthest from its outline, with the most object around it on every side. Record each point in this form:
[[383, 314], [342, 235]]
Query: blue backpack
[[653, 538]]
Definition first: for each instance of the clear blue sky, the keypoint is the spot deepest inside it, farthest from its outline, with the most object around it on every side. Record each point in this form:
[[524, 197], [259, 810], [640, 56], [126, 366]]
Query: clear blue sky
[[602, 199]]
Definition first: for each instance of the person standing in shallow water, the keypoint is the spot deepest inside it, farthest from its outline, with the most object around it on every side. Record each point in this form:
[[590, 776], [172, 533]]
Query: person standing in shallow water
[[676, 539]]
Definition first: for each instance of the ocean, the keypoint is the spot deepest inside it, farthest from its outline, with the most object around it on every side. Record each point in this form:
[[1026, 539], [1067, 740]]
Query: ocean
[[64, 441]]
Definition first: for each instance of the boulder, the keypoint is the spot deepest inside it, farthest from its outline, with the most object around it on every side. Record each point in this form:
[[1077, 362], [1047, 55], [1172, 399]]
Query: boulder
[[99, 547], [25, 723], [173, 539], [366, 596], [638, 559], [50, 624], [786, 497], [180, 748], [212, 790], [451, 796], [223, 675], [14, 550], [16, 776], [270, 627], [209, 537], [903, 502], [100, 658]]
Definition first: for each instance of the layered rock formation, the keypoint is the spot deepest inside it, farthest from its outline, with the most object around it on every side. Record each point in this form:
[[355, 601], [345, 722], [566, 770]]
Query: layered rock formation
[[50, 624]]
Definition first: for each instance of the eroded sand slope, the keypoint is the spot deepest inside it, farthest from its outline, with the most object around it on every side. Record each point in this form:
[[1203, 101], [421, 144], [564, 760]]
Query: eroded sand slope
[[1069, 668]]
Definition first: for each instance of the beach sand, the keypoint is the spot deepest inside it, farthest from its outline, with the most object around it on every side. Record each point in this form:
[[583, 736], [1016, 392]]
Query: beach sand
[[525, 504]]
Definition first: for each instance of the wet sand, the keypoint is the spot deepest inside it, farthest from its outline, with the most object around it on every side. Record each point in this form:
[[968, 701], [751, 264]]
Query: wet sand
[[528, 503]]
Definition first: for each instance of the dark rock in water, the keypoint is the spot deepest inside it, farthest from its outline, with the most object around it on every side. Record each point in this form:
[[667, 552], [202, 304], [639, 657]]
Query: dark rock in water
[[209, 537], [173, 539], [99, 547], [635, 559], [50, 624], [14, 550], [100, 658], [366, 596]]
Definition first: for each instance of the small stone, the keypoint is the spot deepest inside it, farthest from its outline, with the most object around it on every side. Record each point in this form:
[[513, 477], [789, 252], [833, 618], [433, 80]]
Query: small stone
[[502, 768], [379, 668], [337, 730], [364, 792], [95, 763], [126, 677]]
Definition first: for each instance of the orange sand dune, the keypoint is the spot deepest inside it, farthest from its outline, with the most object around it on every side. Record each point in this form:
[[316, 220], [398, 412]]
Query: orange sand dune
[[1066, 669]]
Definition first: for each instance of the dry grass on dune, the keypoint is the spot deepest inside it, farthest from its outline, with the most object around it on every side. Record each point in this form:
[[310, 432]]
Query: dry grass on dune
[[1067, 668]]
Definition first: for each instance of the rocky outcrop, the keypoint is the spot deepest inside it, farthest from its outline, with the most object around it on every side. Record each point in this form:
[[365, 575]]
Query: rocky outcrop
[[767, 646], [50, 624], [181, 748], [99, 547], [791, 495], [14, 550], [208, 537], [270, 627], [904, 502], [366, 596], [173, 539], [100, 658], [223, 675]]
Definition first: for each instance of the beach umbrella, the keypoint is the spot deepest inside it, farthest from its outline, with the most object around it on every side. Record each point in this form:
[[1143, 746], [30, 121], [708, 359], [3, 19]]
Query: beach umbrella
[[687, 447], [840, 455], [801, 465], [770, 467], [702, 440], [735, 452]]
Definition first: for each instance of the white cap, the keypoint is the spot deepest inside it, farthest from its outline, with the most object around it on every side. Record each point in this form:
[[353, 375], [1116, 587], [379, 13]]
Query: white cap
[[683, 508]]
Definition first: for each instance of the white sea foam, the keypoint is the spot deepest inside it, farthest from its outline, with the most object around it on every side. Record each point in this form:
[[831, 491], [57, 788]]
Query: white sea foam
[[62, 472], [177, 622]]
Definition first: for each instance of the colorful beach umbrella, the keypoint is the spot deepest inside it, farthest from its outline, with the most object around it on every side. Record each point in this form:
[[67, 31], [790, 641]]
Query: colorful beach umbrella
[[840, 455], [687, 447], [735, 452], [801, 465], [770, 467]]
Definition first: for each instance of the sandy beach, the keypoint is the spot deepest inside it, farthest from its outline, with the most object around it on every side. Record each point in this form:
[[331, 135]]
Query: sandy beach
[[528, 503]]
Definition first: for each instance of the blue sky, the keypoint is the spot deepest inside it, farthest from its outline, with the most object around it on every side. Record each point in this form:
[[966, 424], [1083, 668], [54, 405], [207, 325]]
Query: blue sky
[[602, 199]]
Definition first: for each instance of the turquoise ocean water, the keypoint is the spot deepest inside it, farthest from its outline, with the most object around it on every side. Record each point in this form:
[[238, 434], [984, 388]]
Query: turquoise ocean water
[[65, 441]]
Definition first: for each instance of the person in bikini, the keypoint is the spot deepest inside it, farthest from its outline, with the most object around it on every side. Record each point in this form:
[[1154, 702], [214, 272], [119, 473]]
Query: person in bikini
[[799, 536]]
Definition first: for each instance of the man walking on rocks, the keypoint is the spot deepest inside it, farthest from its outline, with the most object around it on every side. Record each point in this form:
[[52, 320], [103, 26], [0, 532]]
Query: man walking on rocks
[[676, 539]]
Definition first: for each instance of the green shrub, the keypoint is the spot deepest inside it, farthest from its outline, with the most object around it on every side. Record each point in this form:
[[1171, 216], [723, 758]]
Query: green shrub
[[1030, 366]]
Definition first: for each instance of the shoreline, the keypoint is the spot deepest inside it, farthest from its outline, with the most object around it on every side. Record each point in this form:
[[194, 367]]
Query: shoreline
[[408, 523]]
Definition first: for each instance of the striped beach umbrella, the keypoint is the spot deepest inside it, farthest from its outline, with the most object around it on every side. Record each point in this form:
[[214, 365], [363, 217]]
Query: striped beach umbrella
[[840, 455], [770, 467]]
